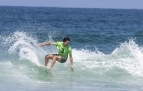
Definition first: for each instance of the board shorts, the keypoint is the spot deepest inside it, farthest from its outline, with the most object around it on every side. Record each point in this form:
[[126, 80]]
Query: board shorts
[[63, 59]]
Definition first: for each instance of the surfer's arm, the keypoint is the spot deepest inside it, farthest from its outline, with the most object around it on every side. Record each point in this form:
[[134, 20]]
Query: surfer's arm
[[45, 44], [71, 62]]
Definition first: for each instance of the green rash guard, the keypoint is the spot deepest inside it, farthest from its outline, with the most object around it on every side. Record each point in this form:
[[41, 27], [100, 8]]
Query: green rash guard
[[63, 50]]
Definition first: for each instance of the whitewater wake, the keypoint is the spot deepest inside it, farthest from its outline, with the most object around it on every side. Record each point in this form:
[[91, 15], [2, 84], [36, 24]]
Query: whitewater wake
[[125, 60]]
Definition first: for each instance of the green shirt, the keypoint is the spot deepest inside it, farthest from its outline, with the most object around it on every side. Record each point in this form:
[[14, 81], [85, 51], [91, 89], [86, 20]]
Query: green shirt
[[63, 50]]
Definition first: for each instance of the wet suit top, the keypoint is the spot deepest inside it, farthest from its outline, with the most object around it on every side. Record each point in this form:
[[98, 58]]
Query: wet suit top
[[63, 50]]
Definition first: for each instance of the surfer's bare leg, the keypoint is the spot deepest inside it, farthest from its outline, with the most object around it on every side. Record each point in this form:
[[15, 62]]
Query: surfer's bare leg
[[55, 58], [47, 57]]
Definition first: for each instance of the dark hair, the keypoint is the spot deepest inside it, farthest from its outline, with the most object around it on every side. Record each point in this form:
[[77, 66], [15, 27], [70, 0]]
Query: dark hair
[[66, 39]]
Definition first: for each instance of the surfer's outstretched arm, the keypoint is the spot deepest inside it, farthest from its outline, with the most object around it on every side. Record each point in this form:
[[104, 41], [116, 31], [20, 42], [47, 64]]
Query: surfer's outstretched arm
[[45, 44]]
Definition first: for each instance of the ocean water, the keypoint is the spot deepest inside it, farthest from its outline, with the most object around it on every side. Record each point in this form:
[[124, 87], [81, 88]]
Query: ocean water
[[107, 46]]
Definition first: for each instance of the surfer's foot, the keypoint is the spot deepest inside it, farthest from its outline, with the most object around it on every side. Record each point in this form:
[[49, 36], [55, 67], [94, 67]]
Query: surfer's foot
[[49, 68]]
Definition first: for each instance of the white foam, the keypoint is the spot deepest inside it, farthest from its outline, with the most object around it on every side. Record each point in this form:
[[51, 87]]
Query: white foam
[[25, 46], [26, 53], [128, 56], [6, 64]]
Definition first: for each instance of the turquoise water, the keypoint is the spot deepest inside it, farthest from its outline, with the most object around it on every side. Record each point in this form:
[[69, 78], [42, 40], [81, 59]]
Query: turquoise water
[[107, 49]]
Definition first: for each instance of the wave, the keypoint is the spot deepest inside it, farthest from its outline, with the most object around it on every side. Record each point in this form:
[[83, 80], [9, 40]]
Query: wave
[[25, 56]]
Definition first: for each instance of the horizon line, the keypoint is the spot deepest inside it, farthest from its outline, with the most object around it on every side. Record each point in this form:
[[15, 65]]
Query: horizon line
[[69, 7]]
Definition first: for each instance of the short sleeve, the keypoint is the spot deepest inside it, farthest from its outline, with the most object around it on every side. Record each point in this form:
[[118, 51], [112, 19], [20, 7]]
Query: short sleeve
[[55, 43]]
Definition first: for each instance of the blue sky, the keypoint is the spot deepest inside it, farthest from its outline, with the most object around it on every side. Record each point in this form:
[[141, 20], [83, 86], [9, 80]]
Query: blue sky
[[122, 4]]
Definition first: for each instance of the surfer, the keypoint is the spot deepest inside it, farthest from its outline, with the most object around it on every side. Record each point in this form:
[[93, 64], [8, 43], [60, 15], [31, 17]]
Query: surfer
[[64, 49]]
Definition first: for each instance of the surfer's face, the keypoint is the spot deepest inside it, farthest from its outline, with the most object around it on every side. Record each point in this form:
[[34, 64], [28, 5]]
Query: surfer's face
[[66, 43]]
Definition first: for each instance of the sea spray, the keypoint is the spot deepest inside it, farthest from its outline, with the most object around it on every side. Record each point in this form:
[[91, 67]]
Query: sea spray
[[123, 63]]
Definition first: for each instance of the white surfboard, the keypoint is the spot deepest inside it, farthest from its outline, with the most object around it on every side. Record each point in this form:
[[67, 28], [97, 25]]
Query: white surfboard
[[47, 70]]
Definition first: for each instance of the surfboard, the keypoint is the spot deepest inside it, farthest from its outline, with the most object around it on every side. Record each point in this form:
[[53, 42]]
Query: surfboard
[[47, 70]]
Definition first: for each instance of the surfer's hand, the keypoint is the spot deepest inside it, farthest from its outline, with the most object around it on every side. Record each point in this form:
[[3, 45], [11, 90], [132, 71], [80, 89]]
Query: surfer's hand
[[40, 44], [72, 69]]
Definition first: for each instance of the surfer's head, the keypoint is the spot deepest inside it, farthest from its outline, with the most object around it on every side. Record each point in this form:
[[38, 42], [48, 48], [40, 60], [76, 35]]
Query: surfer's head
[[66, 41]]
